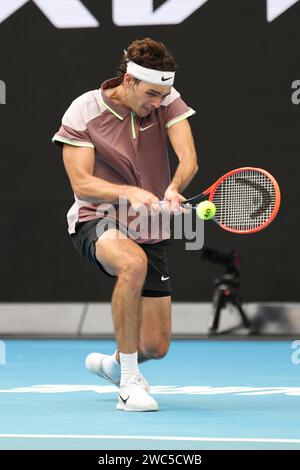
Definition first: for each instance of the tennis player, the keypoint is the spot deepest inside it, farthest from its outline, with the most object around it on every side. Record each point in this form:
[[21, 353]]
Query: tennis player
[[114, 143]]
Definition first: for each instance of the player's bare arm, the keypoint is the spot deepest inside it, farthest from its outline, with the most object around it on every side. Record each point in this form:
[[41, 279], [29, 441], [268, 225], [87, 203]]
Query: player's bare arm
[[79, 164], [182, 141]]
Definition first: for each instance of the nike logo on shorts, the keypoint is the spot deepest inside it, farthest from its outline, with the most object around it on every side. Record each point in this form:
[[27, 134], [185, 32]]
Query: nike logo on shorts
[[164, 278], [145, 128]]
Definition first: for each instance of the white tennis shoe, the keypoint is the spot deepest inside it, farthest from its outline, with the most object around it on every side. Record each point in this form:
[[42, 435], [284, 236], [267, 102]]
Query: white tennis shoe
[[133, 396], [94, 364]]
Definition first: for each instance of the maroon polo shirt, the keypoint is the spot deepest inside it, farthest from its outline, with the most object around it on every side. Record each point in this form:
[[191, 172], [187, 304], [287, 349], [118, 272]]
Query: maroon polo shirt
[[129, 150]]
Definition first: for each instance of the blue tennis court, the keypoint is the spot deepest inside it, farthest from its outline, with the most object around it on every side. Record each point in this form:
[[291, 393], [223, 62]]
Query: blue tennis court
[[213, 394]]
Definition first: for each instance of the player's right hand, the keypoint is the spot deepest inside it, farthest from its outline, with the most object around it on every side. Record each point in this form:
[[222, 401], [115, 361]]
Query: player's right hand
[[140, 200]]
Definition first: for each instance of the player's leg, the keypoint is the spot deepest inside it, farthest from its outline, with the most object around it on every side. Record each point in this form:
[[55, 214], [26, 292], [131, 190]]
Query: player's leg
[[123, 258], [126, 260], [155, 327], [154, 309]]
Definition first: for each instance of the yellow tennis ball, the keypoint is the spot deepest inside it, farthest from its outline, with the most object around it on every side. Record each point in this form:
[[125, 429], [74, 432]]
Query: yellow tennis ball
[[206, 210]]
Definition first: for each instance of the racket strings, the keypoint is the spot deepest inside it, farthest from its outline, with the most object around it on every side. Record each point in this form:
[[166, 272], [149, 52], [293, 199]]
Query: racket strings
[[245, 200]]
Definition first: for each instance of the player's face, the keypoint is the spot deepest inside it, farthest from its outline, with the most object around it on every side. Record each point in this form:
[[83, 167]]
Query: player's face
[[146, 97]]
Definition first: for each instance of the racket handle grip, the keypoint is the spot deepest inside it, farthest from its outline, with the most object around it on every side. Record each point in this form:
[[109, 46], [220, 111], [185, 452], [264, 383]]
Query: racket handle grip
[[184, 204], [195, 199], [161, 203]]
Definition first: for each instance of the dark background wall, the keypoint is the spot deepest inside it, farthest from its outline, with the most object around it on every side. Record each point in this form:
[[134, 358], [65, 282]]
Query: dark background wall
[[235, 69]]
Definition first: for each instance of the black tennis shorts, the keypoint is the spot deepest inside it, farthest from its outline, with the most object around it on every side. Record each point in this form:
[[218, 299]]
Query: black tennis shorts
[[157, 282]]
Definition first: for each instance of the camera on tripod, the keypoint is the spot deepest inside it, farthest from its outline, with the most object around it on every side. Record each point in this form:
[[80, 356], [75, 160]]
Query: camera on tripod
[[226, 286], [230, 260]]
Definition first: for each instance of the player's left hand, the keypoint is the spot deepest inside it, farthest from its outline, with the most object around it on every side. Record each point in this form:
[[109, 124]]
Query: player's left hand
[[173, 201]]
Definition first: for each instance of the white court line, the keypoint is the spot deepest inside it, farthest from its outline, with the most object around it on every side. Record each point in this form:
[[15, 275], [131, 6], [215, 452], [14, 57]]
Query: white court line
[[150, 438], [160, 390]]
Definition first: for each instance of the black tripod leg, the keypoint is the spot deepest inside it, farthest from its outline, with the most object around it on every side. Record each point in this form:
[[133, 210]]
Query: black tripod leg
[[218, 305], [236, 301]]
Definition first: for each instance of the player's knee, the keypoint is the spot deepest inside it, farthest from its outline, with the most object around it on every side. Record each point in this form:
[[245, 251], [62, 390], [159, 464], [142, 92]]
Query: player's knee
[[156, 350], [134, 268]]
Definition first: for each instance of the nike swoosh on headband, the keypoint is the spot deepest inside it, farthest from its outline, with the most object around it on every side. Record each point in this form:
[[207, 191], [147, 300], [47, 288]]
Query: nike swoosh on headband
[[164, 79]]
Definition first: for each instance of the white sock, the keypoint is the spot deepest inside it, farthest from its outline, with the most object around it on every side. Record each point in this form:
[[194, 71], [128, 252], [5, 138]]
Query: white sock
[[129, 366], [111, 366]]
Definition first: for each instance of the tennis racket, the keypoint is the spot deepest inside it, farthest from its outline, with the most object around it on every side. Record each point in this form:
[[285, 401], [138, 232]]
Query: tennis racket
[[247, 200]]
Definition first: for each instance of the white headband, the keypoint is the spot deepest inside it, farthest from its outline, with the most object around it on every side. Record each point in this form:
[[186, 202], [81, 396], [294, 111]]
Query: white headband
[[150, 75]]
